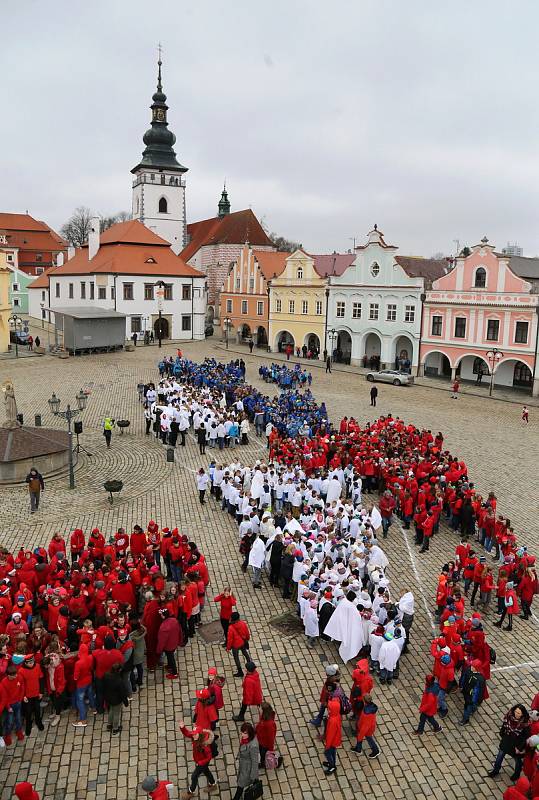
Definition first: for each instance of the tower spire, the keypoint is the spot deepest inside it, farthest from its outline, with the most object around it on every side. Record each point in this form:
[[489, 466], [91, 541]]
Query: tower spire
[[159, 64], [224, 203]]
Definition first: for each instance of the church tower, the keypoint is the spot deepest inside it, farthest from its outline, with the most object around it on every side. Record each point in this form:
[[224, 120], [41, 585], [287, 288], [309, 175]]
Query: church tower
[[158, 182]]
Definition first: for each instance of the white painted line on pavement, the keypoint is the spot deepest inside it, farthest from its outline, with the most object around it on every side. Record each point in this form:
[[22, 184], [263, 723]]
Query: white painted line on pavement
[[516, 666], [416, 575]]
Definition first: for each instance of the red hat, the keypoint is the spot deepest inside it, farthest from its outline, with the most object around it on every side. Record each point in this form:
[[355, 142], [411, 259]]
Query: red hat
[[122, 632], [95, 530], [212, 671], [363, 665], [175, 531], [203, 694]]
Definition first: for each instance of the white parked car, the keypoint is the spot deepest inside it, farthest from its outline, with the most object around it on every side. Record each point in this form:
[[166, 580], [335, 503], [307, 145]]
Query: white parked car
[[390, 376]]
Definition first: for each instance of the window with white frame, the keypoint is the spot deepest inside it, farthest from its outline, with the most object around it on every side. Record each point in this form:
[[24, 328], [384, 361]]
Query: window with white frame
[[229, 306], [15, 287], [356, 310], [374, 308], [409, 313], [391, 314], [237, 283], [340, 309], [70, 291], [375, 269], [278, 306], [128, 291], [259, 307], [251, 284], [43, 296], [244, 306], [291, 306], [299, 273], [319, 307], [16, 302], [82, 290], [304, 306], [57, 290], [136, 324]]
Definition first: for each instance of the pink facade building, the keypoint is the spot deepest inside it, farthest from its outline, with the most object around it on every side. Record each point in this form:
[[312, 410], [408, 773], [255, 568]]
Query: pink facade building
[[483, 315]]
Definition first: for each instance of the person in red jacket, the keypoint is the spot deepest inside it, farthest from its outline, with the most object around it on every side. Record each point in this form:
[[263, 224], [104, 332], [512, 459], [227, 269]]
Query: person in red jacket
[[510, 607], [25, 791], [527, 588], [157, 790], [202, 755], [333, 735], [428, 707], [266, 733], [428, 529], [76, 544], [365, 728], [57, 547], [31, 674], [83, 676], [168, 641], [386, 506], [520, 791], [252, 691], [227, 601], [138, 541], [238, 639], [13, 694], [205, 714], [123, 592], [104, 658]]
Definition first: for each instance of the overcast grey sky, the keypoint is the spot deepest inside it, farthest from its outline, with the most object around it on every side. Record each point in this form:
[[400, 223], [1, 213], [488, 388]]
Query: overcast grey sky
[[324, 117]]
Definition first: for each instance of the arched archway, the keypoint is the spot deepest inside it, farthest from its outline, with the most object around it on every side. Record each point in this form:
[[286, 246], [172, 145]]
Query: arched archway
[[403, 350], [373, 351], [282, 340], [472, 367], [343, 350], [437, 365], [163, 326], [210, 315], [312, 345], [244, 332], [261, 336], [514, 373]]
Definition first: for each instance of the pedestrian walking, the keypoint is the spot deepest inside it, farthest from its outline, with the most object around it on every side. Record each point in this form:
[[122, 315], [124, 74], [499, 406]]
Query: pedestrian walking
[[115, 695], [168, 641], [328, 364], [365, 728], [513, 735], [36, 485], [248, 756], [202, 484], [227, 602], [525, 415], [332, 735], [374, 395], [202, 755], [428, 707], [510, 607], [251, 691], [237, 640], [266, 733], [108, 425], [201, 438], [455, 389]]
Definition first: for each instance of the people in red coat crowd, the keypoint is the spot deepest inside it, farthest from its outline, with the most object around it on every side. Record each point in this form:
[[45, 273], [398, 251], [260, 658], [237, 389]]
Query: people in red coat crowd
[[227, 601], [332, 735], [31, 674], [25, 791], [520, 791], [510, 607], [205, 714], [266, 733], [76, 544], [168, 641], [251, 691]]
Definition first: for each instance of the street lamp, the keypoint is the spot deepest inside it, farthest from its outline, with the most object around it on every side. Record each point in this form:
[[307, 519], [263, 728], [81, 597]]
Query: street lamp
[[494, 356], [160, 295], [16, 322], [42, 306], [333, 334], [69, 414], [227, 322]]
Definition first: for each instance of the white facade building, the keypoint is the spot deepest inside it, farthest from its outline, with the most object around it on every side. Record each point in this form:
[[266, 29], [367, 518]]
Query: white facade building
[[375, 306], [129, 269]]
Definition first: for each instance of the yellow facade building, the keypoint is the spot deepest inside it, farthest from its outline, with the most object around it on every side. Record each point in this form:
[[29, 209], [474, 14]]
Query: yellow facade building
[[5, 308]]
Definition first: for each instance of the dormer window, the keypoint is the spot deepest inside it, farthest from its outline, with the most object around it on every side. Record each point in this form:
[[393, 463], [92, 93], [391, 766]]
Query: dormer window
[[480, 278], [163, 205], [150, 260], [375, 269], [299, 273]]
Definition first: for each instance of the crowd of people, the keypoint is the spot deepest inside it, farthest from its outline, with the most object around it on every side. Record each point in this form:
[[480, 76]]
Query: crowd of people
[[287, 379]]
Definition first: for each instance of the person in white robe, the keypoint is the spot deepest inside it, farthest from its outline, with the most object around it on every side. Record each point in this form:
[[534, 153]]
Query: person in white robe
[[310, 620], [345, 626], [257, 556], [334, 490]]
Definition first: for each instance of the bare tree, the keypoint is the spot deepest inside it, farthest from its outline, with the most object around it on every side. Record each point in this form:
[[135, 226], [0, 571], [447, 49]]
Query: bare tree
[[77, 227], [283, 245], [112, 219]]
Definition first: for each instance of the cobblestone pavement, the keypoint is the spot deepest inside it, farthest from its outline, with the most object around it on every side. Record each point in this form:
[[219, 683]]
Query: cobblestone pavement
[[68, 764]]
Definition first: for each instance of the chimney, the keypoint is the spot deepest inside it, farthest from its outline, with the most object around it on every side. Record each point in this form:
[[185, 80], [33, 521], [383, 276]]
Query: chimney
[[59, 259], [93, 237], [70, 252]]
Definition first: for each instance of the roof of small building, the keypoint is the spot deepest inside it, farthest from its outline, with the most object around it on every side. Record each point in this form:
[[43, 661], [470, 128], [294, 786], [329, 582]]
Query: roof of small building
[[42, 281], [235, 228], [333, 264], [524, 267], [127, 248], [92, 312], [27, 233], [17, 444]]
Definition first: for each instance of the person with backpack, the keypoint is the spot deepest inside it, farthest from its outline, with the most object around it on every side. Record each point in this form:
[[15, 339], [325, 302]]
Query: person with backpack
[[473, 689], [266, 733]]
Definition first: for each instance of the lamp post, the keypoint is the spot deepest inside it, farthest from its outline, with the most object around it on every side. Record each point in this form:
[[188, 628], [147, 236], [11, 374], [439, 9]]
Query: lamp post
[[160, 295], [494, 356], [226, 323], [42, 305], [333, 334], [16, 322], [69, 414]]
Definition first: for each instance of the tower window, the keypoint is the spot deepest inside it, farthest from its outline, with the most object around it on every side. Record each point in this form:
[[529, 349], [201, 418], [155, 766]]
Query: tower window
[[480, 278], [163, 205]]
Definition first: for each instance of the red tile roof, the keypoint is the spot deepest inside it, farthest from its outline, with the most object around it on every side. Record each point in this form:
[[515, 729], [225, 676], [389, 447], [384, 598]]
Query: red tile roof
[[21, 222], [27, 233], [125, 249], [236, 228], [333, 264], [270, 262], [42, 282], [418, 267]]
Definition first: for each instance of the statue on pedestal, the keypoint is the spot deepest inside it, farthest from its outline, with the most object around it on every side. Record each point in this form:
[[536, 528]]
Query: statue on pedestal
[[10, 406]]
